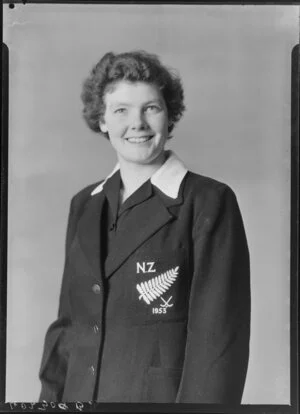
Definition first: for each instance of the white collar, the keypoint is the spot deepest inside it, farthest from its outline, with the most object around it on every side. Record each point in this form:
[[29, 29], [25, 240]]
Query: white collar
[[167, 178]]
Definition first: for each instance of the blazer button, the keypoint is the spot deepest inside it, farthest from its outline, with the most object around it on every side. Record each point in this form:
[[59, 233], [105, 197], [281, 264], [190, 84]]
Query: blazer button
[[92, 370], [96, 328], [96, 288]]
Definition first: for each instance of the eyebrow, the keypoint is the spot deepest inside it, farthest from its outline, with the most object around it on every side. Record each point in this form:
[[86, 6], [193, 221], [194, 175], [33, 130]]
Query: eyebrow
[[114, 104]]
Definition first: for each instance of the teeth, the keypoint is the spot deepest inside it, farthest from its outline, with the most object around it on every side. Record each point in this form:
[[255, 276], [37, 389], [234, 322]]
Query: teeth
[[139, 140]]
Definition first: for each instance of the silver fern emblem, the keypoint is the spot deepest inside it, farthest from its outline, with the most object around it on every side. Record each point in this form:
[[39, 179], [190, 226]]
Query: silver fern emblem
[[154, 288]]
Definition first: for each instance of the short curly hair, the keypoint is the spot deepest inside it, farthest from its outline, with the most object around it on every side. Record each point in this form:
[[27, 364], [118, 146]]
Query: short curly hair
[[136, 66]]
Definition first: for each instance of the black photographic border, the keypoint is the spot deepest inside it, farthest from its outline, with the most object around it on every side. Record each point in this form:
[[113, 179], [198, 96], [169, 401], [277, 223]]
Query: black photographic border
[[293, 408]]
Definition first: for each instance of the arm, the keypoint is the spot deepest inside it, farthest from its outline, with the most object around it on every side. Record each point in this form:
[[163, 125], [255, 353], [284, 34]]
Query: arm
[[217, 347], [55, 356]]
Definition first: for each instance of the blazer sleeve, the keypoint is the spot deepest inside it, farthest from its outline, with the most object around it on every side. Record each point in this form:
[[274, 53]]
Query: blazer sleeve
[[55, 354], [218, 333]]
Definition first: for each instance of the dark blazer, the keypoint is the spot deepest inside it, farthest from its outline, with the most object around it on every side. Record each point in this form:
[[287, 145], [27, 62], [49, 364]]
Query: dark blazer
[[166, 318]]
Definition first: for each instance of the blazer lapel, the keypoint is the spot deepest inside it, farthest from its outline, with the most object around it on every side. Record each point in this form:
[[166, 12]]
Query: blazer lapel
[[151, 217], [89, 234]]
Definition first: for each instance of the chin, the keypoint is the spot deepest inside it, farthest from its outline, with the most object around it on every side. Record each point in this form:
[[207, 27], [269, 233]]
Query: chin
[[140, 160], [143, 157]]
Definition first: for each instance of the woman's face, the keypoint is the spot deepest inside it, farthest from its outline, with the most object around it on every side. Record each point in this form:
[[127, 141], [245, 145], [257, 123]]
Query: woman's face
[[136, 121]]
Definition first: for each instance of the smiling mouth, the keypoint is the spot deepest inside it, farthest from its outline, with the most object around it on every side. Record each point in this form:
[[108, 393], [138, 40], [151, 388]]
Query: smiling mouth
[[139, 140]]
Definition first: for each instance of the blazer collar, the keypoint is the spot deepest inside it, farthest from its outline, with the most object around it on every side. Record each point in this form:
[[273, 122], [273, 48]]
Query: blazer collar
[[154, 214], [167, 178]]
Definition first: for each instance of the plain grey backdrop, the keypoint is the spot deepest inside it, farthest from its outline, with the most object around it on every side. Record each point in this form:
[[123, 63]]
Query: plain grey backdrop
[[235, 63]]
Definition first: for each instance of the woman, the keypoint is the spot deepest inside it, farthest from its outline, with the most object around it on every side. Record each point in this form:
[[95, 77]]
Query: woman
[[155, 297]]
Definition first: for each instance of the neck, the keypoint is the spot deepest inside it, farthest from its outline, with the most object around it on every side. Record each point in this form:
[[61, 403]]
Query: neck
[[134, 175]]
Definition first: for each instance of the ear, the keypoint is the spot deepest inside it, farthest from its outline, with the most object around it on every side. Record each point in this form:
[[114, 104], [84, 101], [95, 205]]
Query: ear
[[103, 126]]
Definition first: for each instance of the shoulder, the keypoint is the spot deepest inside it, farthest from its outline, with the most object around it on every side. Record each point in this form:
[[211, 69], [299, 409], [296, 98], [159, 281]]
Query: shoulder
[[83, 195], [209, 197], [200, 186]]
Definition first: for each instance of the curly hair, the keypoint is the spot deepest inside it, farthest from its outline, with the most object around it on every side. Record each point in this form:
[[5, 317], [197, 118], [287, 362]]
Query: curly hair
[[136, 66]]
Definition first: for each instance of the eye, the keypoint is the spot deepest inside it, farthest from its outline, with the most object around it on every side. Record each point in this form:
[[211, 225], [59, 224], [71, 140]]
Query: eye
[[153, 108], [120, 111]]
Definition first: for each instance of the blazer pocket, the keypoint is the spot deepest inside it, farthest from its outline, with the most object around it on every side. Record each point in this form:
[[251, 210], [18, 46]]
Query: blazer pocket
[[162, 384]]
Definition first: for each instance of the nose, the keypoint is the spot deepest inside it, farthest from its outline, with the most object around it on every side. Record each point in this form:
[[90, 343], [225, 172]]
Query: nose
[[138, 121]]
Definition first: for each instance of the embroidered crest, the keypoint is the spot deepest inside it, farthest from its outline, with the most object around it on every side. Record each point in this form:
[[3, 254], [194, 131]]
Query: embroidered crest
[[154, 288]]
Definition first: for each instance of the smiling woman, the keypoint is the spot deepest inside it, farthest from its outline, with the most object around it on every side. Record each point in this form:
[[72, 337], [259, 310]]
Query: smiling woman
[[155, 297], [135, 102]]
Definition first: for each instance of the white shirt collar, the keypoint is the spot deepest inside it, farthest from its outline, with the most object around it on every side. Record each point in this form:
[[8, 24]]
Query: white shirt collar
[[167, 178]]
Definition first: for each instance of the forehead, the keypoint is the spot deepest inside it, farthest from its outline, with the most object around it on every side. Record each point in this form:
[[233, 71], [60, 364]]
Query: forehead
[[132, 92]]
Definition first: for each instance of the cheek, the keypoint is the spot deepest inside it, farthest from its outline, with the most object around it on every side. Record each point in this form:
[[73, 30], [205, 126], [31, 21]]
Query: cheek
[[161, 122], [161, 126], [117, 129]]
